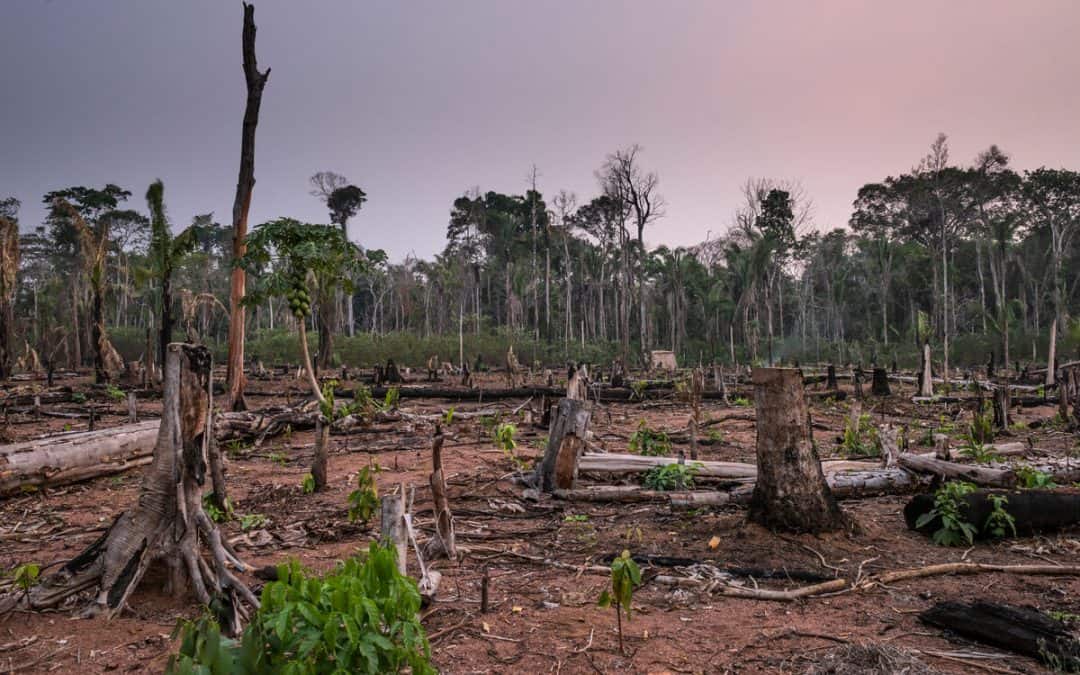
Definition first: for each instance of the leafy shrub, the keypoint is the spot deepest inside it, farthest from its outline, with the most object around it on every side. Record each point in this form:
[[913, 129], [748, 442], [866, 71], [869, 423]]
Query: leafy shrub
[[646, 441], [115, 393], [861, 437], [26, 576], [974, 450], [308, 484], [364, 500], [741, 402], [672, 476], [361, 618], [213, 512], [1000, 521], [253, 521], [949, 505], [982, 424], [1033, 479]]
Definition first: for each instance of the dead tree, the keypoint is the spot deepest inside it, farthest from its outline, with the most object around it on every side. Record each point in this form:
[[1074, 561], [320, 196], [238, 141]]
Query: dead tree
[[322, 452], [696, 389], [443, 542], [577, 384], [1001, 407], [879, 385], [926, 381], [566, 442], [511, 366], [245, 184], [790, 492], [857, 381], [9, 267], [167, 522], [830, 378]]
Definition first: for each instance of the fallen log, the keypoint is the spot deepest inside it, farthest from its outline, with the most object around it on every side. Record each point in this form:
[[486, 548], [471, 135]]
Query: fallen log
[[604, 394], [1022, 630], [1032, 511], [980, 475], [844, 485], [58, 460], [621, 463]]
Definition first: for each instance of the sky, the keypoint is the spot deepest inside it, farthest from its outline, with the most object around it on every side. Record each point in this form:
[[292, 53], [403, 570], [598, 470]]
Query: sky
[[417, 101]]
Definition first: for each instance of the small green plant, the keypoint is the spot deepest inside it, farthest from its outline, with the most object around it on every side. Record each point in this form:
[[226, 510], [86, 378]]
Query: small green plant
[[279, 458], [503, 436], [741, 402], [715, 436], [1031, 478], [308, 484], [861, 438], [235, 447], [364, 500], [638, 387], [576, 518], [115, 393], [976, 451], [1000, 521], [672, 476], [646, 441], [390, 401], [949, 505], [78, 397], [26, 576], [448, 417], [215, 513], [1065, 617], [1019, 425], [360, 618], [253, 521], [326, 406], [982, 424], [625, 577]]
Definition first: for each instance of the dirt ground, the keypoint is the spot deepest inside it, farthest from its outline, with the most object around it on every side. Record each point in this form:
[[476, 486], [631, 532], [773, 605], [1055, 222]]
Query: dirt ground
[[543, 617]]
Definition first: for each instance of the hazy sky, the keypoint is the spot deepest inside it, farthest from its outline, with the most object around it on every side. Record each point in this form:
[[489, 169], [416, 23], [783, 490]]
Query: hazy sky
[[418, 101]]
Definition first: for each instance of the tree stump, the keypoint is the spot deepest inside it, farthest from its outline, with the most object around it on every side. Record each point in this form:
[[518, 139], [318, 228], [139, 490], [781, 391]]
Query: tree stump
[[790, 493], [1001, 407], [443, 542], [566, 442], [879, 385], [392, 527], [167, 522], [926, 380], [322, 453], [830, 378]]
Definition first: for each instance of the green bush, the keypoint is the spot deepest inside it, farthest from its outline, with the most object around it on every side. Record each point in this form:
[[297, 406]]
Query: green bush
[[361, 618], [646, 441]]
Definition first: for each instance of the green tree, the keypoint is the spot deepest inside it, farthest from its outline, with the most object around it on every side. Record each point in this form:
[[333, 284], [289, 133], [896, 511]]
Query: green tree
[[166, 252]]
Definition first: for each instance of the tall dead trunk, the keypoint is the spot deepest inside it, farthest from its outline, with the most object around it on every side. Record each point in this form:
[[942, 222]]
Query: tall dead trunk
[[241, 204], [566, 442], [167, 522], [790, 492], [1051, 355], [9, 267], [926, 381], [322, 453]]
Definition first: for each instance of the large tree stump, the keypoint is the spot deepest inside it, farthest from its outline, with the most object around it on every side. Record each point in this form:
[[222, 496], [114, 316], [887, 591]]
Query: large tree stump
[[791, 492], [879, 385], [926, 380], [566, 442], [167, 522], [392, 531]]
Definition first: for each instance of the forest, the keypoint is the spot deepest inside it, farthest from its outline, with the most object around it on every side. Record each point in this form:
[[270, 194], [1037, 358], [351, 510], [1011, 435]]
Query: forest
[[977, 258], [558, 445]]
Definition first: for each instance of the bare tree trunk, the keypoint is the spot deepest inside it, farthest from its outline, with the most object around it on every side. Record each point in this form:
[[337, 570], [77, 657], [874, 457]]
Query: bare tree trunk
[[443, 542], [790, 492], [241, 204], [926, 381], [1051, 355], [322, 452]]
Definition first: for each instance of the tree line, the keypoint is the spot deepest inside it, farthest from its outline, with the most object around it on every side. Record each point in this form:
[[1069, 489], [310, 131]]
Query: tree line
[[978, 258]]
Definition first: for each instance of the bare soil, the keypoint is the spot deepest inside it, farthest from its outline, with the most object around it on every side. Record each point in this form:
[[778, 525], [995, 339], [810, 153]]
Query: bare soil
[[544, 618]]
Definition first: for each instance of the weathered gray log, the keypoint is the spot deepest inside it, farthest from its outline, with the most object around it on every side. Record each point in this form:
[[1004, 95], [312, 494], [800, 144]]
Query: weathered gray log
[[59, 460], [926, 379], [980, 475], [566, 442], [790, 492], [624, 463]]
